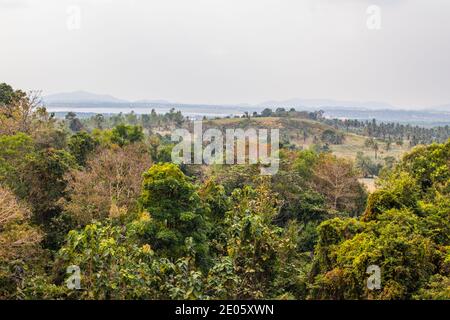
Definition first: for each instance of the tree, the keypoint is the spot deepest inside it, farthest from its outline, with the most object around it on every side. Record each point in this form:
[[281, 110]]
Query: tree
[[371, 143], [176, 212], [113, 265], [388, 144], [429, 165], [17, 236], [125, 134], [437, 288], [389, 162], [18, 110], [405, 231], [280, 112], [20, 250], [266, 112], [7, 94], [99, 119], [74, 123], [145, 120], [292, 185], [375, 148], [260, 255], [160, 151], [336, 179], [81, 145], [366, 166], [395, 244], [50, 135], [15, 152], [44, 176], [217, 203], [109, 184], [304, 163], [397, 191], [131, 118], [235, 176]]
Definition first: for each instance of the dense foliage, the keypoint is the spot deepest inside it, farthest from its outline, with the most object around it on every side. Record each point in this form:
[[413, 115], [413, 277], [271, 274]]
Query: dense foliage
[[100, 196]]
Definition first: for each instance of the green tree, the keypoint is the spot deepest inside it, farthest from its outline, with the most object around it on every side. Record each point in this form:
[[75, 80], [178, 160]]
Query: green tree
[[126, 134], [398, 191], [15, 152], [7, 94], [81, 145], [394, 243], [405, 231], [266, 112], [366, 166], [176, 212], [305, 162], [99, 120], [114, 264], [19, 111], [336, 179], [45, 178], [260, 255]]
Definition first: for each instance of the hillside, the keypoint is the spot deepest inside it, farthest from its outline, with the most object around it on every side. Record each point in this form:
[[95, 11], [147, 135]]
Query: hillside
[[80, 97], [294, 128]]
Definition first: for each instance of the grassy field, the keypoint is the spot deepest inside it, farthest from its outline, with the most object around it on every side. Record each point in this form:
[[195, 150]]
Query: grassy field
[[354, 143]]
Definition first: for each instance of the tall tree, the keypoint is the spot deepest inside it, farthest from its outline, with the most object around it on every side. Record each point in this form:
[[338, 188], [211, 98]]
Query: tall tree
[[336, 178], [176, 212], [108, 185]]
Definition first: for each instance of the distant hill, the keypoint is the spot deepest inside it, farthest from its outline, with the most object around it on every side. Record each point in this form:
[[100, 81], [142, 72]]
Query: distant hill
[[86, 98], [445, 108], [315, 104], [81, 97], [158, 101], [295, 129]]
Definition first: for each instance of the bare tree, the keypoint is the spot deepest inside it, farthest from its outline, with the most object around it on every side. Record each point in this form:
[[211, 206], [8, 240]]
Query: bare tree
[[336, 179], [111, 183], [17, 237], [19, 114]]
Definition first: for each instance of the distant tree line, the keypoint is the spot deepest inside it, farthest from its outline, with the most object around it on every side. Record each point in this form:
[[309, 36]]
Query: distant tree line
[[393, 132]]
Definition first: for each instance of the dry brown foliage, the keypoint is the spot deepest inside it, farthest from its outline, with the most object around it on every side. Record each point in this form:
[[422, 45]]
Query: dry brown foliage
[[20, 115], [337, 180], [109, 186], [18, 239]]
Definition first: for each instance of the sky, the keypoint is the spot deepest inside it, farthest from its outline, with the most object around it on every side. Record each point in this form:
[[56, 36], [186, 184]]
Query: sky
[[231, 51]]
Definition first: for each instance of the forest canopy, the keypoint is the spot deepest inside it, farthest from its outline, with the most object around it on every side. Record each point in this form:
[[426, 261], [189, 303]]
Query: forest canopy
[[101, 194]]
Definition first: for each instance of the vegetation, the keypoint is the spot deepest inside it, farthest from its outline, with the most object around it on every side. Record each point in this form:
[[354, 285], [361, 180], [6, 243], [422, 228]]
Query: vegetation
[[101, 194]]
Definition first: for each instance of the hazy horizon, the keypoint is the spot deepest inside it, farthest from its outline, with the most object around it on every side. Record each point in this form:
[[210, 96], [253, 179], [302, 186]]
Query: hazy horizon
[[230, 52], [82, 96]]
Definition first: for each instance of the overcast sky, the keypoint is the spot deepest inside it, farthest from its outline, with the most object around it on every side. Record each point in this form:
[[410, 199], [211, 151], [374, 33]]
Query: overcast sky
[[230, 51]]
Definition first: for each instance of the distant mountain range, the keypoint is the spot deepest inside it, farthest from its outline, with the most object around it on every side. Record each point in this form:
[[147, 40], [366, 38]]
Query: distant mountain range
[[445, 108], [84, 97], [88, 98], [81, 97], [323, 103]]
